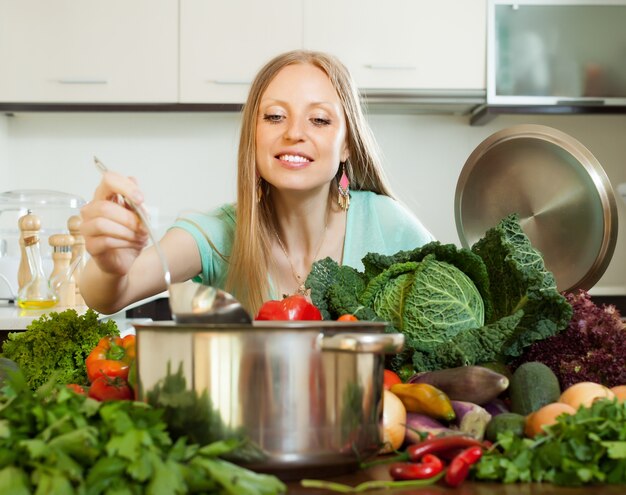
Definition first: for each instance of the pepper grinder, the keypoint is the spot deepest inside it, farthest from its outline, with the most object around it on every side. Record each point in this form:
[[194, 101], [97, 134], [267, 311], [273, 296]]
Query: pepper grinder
[[79, 255], [29, 226], [62, 279]]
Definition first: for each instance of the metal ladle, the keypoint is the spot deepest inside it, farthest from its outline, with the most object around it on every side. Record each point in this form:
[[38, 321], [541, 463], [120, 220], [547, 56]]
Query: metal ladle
[[190, 302]]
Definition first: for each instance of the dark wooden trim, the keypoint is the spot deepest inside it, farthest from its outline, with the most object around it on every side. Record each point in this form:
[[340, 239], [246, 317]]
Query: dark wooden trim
[[486, 113]]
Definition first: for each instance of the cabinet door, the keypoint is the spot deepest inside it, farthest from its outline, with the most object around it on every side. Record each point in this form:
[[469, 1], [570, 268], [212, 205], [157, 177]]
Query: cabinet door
[[402, 44], [223, 44], [88, 51]]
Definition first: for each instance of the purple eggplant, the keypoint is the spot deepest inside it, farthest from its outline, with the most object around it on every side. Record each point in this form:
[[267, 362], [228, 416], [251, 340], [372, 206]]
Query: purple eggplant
[[417, 423], [471, 419], [496, 407], [476, 384]]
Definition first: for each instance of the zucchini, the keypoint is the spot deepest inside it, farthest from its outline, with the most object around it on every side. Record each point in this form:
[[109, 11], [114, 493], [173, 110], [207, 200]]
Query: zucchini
[[505, 422], [475, 384], [533, 385]]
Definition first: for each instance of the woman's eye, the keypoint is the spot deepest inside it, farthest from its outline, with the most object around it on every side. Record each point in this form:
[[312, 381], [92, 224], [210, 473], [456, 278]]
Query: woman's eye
[[320, 121], [273, 117]]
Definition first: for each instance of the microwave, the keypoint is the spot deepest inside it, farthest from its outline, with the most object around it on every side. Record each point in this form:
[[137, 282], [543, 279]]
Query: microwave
[[556, 52]]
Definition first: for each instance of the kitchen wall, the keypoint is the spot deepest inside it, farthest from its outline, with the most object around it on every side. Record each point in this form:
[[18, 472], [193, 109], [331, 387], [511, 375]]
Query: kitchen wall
[[187, 160], [4, 149]]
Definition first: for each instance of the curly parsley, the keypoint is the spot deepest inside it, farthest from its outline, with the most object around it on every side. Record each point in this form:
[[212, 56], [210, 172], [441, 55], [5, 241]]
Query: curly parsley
[[57, 343]]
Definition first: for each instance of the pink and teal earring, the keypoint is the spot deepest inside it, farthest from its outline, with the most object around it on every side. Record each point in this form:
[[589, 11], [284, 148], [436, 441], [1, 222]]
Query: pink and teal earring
[[344, 189]]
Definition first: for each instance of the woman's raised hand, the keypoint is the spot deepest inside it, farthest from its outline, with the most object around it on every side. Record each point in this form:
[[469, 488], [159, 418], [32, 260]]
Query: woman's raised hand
[[114, 234]]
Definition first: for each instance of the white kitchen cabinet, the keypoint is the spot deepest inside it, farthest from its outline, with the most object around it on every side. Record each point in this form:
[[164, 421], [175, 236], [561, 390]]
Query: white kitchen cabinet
[[92, 51], [207, 51], [403, 44], [224, 44]]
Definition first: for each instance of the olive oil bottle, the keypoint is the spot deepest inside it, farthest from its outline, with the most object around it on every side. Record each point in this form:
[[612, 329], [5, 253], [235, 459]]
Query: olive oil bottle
[[37, 293]]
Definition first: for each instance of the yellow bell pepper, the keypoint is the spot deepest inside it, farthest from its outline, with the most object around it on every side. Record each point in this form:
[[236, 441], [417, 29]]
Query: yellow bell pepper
[[425, 399]]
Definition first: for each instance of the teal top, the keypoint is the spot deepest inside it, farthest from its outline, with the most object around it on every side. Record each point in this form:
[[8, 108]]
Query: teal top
[[375, 224]]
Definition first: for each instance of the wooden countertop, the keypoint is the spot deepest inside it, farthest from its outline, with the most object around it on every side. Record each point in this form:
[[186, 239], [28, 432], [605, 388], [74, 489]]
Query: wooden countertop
[[467, 488]]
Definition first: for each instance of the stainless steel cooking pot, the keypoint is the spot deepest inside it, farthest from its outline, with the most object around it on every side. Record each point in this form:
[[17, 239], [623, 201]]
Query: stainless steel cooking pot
[[302, 396]]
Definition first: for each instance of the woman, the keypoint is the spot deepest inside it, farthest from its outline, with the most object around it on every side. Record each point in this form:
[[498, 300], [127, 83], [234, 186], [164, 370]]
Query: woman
[[310, 185]]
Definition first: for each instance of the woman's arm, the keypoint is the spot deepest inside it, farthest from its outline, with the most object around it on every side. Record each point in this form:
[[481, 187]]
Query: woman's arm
[[120, 270], [110, 292]]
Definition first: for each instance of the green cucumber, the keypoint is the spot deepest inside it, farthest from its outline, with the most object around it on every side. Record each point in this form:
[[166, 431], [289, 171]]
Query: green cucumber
[[505, 422], [532, 386]]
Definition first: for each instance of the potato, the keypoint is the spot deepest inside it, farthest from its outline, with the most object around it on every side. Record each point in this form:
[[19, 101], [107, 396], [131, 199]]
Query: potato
[[584, 393]]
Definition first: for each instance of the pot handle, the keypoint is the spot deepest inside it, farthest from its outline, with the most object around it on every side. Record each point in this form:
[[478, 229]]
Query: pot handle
[[379, 343]]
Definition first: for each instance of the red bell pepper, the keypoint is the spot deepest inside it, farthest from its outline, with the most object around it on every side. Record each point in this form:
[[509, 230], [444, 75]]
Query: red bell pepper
[[111, 357], [294, 307]]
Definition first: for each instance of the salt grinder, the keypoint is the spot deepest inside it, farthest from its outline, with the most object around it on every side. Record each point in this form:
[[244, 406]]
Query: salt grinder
[[78, 253], [29, 225], [62, 279]]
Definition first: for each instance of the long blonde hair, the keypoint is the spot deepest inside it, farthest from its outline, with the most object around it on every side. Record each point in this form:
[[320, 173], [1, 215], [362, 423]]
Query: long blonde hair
[[249, 261]]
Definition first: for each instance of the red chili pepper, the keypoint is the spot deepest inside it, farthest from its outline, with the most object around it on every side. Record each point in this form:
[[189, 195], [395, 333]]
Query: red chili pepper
[[460, 466], [457, 472], [439, 444], [470, 455], [430, 466]]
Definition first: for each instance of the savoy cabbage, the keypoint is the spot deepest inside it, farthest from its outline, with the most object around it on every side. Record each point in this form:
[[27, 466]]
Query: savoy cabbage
[[455, 306]]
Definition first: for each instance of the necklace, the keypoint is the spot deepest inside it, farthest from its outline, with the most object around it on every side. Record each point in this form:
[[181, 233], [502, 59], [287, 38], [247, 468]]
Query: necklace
[[302, 290]]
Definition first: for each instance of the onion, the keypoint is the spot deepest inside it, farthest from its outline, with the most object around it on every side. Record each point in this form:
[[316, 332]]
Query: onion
[[394, 422]]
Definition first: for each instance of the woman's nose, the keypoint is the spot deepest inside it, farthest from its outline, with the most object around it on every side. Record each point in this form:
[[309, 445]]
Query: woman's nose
[[295, 130]]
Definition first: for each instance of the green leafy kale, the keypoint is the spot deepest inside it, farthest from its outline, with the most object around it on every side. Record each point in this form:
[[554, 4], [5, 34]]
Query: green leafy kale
[[335, 290], [454, 306], [427, 299], [57, 344], [464, 259], [477, 345], [520, 280], [431, 301]]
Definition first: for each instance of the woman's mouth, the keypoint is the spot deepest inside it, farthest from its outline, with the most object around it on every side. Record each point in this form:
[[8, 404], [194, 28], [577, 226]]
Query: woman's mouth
[[294, 160]]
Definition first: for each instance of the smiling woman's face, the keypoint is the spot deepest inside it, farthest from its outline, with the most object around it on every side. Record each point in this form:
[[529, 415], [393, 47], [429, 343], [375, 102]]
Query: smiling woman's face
[[300, 130]]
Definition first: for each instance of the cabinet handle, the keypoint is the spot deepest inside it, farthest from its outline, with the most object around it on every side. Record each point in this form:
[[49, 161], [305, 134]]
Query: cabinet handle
[[82, 81], [229, 82], [390, 67]]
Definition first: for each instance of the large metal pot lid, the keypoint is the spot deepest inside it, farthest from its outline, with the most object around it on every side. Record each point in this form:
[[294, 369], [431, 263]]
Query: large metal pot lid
[[560, 191]]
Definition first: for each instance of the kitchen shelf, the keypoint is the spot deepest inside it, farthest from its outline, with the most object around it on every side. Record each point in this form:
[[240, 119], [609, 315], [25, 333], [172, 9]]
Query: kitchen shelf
[[486, 113], [388, 101]]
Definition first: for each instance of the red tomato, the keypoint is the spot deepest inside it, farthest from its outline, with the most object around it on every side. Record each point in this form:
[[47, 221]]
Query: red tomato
[[390, 378], [105, 388], [347, 317], [294, 307], [79, 389]]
